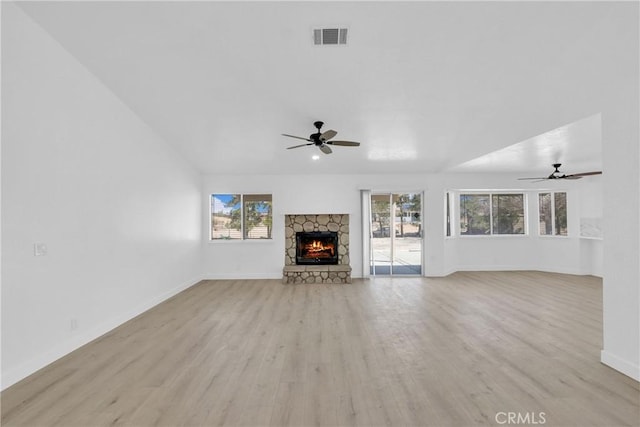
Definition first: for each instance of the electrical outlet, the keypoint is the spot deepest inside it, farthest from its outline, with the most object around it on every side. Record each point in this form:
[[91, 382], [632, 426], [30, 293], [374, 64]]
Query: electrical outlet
[[74, 324], [39, 249]]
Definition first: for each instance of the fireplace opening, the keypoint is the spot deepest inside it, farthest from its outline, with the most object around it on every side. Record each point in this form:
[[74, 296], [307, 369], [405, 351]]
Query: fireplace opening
[[318, 247]]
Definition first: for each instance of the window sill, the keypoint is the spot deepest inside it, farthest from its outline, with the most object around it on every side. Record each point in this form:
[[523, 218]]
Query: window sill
[[236, 241], [493, 236]]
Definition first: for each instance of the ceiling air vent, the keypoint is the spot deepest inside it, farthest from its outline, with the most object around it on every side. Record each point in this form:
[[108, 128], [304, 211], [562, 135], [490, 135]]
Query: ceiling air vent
[[330, 36]]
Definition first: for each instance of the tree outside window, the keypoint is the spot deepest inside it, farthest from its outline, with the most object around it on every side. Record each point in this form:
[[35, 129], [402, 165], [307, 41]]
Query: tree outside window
[[381, 218], [257, 216], [491, 214], [475, 214], [560, 213], [447, 214], [545, 214], [552, 213], [226, 216], [408, 208], [508, 213]]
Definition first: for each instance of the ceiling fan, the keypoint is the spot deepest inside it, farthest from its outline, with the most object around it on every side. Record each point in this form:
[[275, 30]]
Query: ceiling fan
[[556, 174], [321, 140]]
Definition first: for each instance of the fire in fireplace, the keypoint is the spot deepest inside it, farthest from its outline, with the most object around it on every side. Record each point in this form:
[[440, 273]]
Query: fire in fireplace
[[318, 247]]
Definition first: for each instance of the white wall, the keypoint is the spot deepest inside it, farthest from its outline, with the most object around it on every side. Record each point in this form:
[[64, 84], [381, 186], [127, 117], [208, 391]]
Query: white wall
[[621, 204], [621, 288], [117, 209], [291, 195], [341, 194]]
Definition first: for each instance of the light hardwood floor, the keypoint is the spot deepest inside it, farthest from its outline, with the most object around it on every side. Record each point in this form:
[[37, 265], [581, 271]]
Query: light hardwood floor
[[454, 351]]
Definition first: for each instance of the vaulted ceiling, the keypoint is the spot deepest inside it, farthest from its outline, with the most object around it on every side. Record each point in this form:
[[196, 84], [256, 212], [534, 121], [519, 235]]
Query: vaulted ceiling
[[424, 86]]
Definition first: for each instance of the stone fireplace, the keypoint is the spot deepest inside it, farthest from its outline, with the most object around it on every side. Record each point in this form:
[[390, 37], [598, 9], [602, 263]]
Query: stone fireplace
[[317, 249]]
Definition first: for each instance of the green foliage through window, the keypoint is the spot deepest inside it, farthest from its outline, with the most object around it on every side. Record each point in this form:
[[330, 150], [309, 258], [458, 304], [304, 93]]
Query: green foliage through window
[[447, 214], [489, 214], [258, 218], [552, 213], [508, 213], [475, 214]]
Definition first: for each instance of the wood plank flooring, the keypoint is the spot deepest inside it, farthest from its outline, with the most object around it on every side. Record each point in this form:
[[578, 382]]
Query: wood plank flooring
[[463, 350]]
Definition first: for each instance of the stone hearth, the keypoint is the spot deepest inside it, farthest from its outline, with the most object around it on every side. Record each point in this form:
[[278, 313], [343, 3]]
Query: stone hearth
[[293, 273]]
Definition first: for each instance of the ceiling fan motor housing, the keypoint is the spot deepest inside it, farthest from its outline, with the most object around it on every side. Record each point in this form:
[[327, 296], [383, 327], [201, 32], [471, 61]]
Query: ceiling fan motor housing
[[556, 174], [315, 137]]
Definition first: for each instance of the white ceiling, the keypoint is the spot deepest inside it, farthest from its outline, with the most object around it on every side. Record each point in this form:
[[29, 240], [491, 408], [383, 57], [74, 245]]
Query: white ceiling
[[578, 145], [425, 86]]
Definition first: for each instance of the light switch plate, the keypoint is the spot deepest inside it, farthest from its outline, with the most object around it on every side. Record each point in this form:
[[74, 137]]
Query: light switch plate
[[39, 249]]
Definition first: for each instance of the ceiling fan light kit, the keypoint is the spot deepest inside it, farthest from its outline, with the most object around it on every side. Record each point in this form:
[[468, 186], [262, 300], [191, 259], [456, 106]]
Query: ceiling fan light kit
[[322, 139], [556, 174]]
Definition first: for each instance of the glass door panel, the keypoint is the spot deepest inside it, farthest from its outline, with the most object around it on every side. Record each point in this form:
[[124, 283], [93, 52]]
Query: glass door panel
[[380, 234], [407, 241], [396, 233]]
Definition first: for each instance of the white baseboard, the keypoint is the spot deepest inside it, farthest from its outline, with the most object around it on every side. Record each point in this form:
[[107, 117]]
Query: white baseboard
[[29, 367], [255, 276], [441, 273], [264, 276], [516, 268], [620, 365], [243, 276], [448, 272]]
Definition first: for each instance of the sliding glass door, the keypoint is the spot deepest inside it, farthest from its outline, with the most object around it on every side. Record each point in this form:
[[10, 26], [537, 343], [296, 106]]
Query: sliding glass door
[[396, 233]]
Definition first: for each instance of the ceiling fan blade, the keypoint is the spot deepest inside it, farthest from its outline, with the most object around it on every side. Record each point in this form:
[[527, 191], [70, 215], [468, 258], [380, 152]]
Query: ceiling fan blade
[[301, 145], [328, 135], [344, 143], [580, 175], [298, 137], [325, 149]]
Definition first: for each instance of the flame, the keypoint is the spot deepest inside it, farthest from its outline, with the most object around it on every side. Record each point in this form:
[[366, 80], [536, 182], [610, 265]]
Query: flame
[[317, 247]]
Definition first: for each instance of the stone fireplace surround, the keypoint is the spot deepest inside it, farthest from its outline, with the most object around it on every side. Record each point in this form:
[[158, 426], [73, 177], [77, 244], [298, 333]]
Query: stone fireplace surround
[[340, 273]]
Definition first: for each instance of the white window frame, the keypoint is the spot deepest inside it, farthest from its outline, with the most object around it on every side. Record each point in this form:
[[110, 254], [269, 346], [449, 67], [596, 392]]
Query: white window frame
[[449, 215]]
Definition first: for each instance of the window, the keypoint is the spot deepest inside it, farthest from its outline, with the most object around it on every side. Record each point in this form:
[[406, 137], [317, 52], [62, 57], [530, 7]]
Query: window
[[257, 216], [552, 214], [447, 214], [475, 214], [241, 216], [508, 213], [489, 214]]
